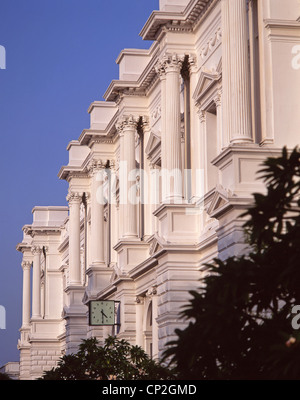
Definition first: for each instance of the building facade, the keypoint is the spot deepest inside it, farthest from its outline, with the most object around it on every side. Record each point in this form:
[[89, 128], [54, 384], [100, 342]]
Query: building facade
[[159, 180]]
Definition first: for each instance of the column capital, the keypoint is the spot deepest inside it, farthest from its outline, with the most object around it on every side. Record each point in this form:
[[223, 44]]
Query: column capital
[[189, 65], [218, 98], [26, 265], [152, 165], [139, 300], [36, 250], [127, 122], [96, 165], [202, 115], [87, 197], [192, 63], [74, 197], [152, 291], [169, 63], [113, 165], [145, 122]]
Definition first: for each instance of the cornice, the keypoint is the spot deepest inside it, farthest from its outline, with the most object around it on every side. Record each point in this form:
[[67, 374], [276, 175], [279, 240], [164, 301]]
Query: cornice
[[119, 88], [67, 172], [281, 30], [43, 230], [101, 104], [63, 244], [282, 23], [142, 268], [251, 148], [175, 21], [134, 52], [21, 247], [101, 135], [89, 136]]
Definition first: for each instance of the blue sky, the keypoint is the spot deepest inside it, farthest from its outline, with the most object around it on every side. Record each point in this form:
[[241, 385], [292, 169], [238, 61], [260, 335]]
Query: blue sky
[[60, 57]]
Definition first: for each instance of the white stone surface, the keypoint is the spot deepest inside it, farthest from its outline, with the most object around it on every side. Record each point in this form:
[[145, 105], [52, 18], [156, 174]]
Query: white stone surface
[[200, 96]]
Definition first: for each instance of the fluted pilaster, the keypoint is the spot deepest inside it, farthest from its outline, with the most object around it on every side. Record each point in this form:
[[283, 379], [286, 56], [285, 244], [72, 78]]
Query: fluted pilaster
[[220, 139], [127, 175], [74, 200], [236, 74], [36, 282], [201, 186], [169, 69], [26, 266], [97, 170], [139, 314]]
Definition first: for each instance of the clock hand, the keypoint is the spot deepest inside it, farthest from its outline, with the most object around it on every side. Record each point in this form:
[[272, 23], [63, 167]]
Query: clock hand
[[103, 315]]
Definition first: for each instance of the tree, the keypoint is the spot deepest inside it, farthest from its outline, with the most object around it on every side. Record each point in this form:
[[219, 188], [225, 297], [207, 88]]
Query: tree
[[240, 320], [4, 377], [116, 359]]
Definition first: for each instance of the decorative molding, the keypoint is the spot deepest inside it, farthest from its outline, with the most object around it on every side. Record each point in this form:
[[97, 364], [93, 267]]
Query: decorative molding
[[169, 63], [281, 30], [26, 264], [192, 63], [155, 114], [219, 202], [153, 144], [154, 247], [144, 122], [74, 197], [127, 122], [208, 78], [218, 98], [161, 22], [152, 291], [139, 300], [103, 140], [96, 165], [36, 250], [211, 44], [202, 115]]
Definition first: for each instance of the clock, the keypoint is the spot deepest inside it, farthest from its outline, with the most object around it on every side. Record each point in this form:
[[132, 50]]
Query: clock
[[101, 312]]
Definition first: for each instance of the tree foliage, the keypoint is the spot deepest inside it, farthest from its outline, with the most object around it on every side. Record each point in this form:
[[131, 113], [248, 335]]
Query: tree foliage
[[116, 359], [241, 318], [4, 377]]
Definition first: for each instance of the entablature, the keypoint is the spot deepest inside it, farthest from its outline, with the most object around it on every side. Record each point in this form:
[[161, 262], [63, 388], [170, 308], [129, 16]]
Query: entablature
[[184, 21]]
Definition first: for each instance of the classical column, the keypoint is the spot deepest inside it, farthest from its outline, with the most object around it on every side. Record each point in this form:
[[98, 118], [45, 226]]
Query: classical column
[[36, 282], [74, 200], [88, 231], [127, 175], [26, 266], [201, 180], [97, 168], [160, 69], [194, 128], [139, 321], [226, 68], [153, 190], [152, 293], [114, 225], [170, 66], [220, 139], [236, 73]]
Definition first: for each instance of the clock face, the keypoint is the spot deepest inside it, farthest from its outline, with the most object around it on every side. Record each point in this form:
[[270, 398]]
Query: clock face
[[102, 312]]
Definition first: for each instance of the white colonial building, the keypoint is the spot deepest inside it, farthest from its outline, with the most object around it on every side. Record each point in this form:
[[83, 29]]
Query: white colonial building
[[158, 181]]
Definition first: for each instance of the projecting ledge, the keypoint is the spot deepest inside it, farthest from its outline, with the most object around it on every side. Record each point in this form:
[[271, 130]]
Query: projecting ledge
[[178, 223]]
